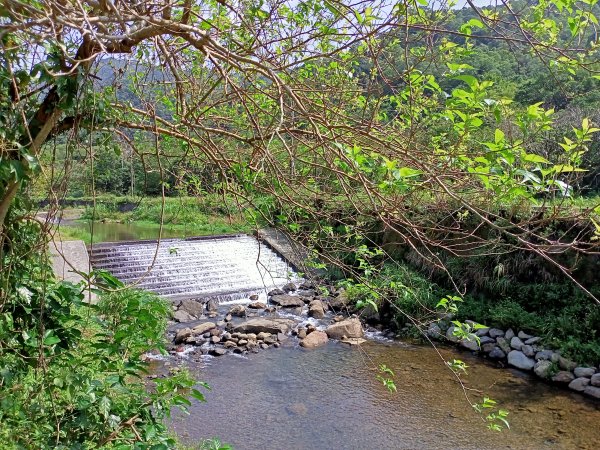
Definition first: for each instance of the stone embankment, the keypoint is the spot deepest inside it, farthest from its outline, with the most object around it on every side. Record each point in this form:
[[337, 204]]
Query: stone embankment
[[524, 352]]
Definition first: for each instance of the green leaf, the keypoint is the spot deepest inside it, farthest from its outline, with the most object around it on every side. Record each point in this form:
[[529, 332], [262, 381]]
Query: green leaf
[[17, 169], [407, 172], [475, 23], [198, 395], [533, 158], [51, 340], [470, 80], [498, 136]]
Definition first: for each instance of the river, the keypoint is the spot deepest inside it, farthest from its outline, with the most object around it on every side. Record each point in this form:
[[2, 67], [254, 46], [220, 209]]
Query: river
[[328, 398]]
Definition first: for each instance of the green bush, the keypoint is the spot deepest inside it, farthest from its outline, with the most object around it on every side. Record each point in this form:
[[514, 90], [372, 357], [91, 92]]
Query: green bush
[[71, 372], [400, 294]]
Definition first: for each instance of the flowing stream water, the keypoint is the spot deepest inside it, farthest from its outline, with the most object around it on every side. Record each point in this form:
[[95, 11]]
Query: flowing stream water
[[329, 398]]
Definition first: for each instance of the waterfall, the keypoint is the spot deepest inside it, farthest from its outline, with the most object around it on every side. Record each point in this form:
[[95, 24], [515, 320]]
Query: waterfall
[[221, 268]]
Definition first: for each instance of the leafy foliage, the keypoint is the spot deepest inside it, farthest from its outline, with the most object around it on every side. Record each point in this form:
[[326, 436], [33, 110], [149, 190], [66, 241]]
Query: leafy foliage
[[72, 372]]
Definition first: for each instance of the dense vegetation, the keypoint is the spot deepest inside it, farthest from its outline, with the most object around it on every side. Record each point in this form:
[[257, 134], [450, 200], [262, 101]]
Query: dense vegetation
[[403, 144]]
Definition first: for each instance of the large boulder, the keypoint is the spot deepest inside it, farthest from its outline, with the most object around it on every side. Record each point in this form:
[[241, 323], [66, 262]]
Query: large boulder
[[592, 391], [203, 327], [543, 368], [257, 305], [262, 325], [350, 328], [316, 309], [238, 311], [192, 307], [520, 361], [287, 301], [314, 339], [579, 384], [182, 316], [584, 372], [181, 335], [563, 376], [212, 305]]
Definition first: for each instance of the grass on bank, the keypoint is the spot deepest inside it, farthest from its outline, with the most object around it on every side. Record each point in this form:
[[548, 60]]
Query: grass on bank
[[181, 216], [149, 230]]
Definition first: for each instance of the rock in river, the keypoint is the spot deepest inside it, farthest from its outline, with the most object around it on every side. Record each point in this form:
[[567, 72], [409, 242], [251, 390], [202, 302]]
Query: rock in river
[[182, 335], [203, 327], [192, 307], [257, 305], [353, 341], [218, 351], [212, 305], [316, 309], [238, 311], [542, 368], [579, 384], [289, 287], [563, 376], [350, 328], [259, 325], [584, 372], [314, 339], [287, 301], [520, 361], [183, 316]]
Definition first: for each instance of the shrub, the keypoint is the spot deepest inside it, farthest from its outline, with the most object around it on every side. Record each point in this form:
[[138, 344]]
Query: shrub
[[71, 372]]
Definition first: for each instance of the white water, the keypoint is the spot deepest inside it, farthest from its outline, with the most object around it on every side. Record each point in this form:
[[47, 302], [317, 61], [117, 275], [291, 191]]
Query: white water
[[225, 268]]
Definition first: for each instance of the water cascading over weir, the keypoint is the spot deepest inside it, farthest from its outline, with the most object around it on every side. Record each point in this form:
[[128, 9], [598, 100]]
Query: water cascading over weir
[[223, 268]]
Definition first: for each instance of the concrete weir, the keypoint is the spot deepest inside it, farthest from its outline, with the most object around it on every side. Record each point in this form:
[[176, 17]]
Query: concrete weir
[[295, 253], [227, 267]]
